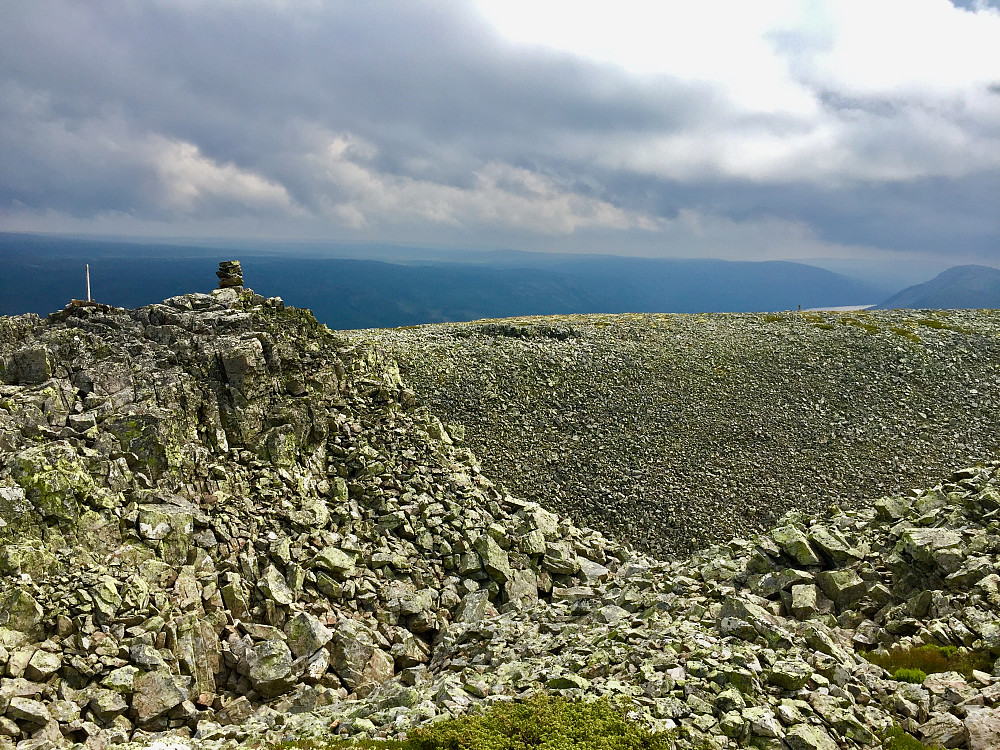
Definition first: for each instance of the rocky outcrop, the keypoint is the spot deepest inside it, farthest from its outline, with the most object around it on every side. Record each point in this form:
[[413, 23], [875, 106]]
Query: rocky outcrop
[[215, 503], [673, 432], [221, 522]]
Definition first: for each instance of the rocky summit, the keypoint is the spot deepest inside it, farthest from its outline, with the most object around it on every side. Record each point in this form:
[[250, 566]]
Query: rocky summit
[[222, 523]]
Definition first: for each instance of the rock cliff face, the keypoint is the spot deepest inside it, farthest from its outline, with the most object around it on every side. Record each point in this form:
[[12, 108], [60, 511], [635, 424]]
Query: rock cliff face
[[220, 520]]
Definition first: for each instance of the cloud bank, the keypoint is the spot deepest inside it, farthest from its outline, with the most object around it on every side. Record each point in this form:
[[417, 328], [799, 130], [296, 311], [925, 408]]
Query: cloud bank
[[789, 129]]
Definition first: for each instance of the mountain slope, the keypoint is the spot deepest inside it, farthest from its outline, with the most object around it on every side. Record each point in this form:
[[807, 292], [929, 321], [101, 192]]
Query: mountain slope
[[635, 424], [960, 287], [223, 525]]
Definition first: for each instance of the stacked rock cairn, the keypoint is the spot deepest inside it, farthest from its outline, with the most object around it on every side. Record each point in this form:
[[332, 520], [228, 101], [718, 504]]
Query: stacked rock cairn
[[230, 274]]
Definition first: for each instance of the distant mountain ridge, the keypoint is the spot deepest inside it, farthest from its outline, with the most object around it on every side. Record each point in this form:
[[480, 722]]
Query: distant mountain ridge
[[960, 287], [41, 274]]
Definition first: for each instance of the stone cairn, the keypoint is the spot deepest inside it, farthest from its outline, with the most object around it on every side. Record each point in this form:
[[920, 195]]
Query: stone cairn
[[230, 274]]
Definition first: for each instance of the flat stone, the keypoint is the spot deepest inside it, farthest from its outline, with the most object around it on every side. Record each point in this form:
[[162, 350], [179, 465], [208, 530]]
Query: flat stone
[[42, 665], [155, 693], [762, 722], [334, 560], [844, 587], [790, 675], [809, 737], [28, 709]]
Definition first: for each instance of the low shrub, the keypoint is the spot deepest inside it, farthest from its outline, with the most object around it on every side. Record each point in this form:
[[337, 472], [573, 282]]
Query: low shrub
[[543, 722], [916, 676], [933, 659]]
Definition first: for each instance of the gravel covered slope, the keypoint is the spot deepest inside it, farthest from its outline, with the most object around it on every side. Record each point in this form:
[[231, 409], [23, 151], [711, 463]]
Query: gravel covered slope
[[674, 431]]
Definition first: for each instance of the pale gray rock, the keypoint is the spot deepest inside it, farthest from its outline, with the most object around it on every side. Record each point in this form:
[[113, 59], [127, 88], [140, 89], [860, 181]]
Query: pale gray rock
[[945, 730], [306, 634], [155, 693], [269, 667], [983, 728], [809, 737]]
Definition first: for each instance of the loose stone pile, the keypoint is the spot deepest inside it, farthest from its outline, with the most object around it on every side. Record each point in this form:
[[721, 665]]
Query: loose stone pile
[[673, 432], [219, 521]]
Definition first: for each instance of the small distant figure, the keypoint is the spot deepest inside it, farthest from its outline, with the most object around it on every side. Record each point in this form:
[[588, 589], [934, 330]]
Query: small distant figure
[[230, 274]]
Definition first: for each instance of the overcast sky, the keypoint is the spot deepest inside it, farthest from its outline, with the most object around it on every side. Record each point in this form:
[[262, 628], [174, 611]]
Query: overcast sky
[[752, 130]]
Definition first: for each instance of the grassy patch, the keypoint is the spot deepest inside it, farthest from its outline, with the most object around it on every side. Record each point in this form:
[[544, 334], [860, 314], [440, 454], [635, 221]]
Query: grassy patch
[[864, 325], [541, 722], [906, 333], [896, 738], [933, 659], [916, 676], [939, 324]]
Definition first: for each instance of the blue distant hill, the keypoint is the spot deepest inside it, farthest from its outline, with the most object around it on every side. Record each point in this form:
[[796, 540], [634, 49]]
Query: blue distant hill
[[41, 274], [960, 287]]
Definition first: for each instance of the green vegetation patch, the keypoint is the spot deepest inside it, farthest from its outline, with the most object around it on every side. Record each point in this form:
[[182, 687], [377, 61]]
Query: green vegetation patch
[[862, 324], [928, 659], [941, 324], [896, 738], [916, 676], [545, 722], [906, 333]]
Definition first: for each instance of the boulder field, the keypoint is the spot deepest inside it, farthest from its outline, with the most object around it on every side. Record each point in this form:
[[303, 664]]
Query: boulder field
[[222, 523], [672, 432]]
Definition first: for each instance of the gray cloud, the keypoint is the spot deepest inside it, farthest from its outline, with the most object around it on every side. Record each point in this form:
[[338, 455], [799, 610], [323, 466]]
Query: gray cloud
[[417, 121]]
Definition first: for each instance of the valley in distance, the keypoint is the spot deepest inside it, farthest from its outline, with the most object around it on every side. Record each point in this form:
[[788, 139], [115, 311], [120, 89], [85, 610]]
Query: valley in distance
[[378, 286]]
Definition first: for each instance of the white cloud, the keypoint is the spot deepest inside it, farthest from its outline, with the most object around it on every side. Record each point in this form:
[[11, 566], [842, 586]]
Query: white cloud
[[500, 195], [189, 182], [824, 92]]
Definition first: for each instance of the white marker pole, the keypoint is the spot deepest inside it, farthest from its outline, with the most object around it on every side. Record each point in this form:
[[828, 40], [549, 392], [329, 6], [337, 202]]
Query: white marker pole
[[88, 281]]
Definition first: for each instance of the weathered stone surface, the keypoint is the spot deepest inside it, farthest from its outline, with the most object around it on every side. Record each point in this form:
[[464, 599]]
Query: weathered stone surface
[[378, 670], [983, 728], [334, 560], [795, 544], [352, 647], [155, 693], [232, 515], [107, 704], [944, 730], [937, 547], [19, 611], [42, 665], [494, 558], [269, 667], [29, 710], [843, 587], [789, 675], [809, 737], [306, 634]]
